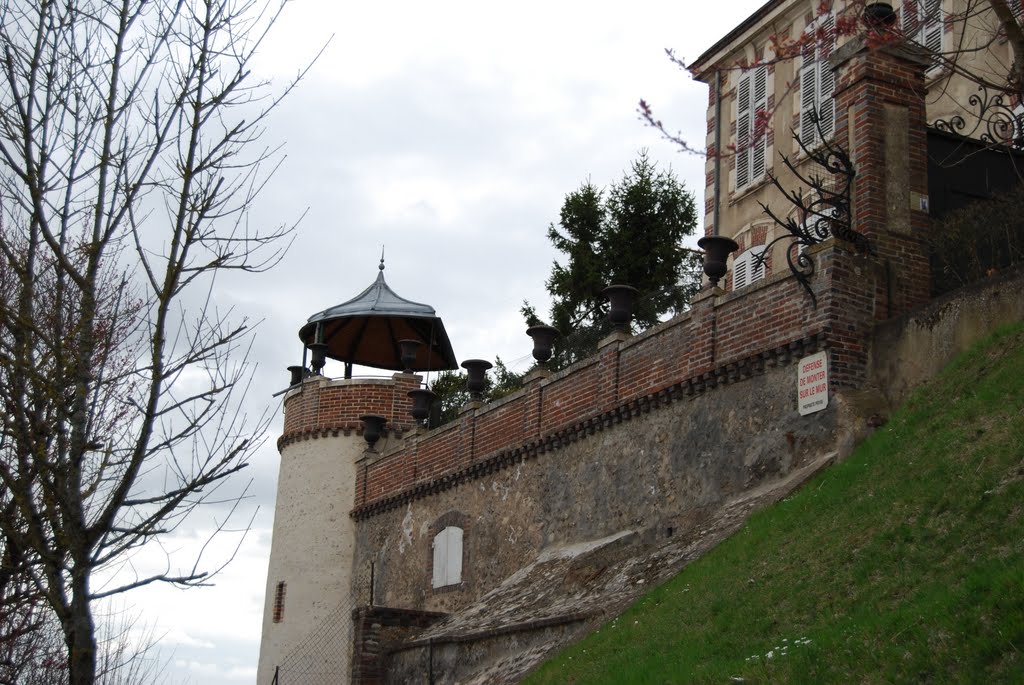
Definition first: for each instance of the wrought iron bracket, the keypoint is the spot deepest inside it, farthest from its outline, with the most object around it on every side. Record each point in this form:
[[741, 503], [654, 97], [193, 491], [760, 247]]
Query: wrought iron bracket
[[995, 121], [822, 213]]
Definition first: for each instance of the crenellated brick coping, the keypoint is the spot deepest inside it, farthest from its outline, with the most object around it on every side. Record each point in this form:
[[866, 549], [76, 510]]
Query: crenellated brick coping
[[688, 388], [723, 337], [323, 407]]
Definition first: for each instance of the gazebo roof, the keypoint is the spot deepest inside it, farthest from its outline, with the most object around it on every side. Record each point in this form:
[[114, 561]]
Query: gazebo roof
[[366, 329]]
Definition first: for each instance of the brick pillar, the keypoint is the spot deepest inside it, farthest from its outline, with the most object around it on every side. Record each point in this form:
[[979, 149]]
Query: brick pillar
[[533, 384], [703, 331], [881, 122], [366, 649], [608, 369], [880, 99], [401, 403]]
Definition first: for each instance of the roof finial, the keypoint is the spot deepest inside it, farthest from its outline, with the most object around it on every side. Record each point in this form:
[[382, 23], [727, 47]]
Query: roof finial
[[381, 267]]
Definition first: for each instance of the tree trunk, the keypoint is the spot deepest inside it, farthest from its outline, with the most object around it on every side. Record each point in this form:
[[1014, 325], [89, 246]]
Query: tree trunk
[[80, 633]]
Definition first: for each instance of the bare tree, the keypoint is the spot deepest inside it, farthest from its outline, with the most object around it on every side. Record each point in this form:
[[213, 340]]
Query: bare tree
[[130, 153]]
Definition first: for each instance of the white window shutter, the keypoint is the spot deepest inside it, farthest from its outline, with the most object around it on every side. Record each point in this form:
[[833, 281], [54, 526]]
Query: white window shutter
[[759, 97], [454, 564], [447, 557], [827, 80], [932, 29], [808, 90], [908, 23], [756, 265], [440, 559], [744, 124], [739, 271], [747, 269]]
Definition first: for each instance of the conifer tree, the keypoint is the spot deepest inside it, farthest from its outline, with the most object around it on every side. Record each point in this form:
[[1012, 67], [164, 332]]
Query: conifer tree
[[631, 234]]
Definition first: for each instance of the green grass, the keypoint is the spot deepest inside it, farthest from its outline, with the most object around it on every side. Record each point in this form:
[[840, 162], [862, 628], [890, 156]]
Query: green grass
[[903, 564]]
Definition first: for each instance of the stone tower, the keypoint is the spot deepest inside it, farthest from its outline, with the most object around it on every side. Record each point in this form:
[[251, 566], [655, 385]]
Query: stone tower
[[311, 588]]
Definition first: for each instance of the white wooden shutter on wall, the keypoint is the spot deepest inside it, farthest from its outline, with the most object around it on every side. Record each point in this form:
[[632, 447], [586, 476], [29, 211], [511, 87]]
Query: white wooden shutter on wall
[[817, 83], [743, 125], [759, 102], [751, 138], [747, 268], [827, 79], [447, 557], [922, 22]]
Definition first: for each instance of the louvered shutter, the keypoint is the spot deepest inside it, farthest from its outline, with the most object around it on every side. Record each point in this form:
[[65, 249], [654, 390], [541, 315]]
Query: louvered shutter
[[808, 88], [827, 80], [743, 125], [756, 265], [747, 268], [759, 97], [908, 19], [740, 267], [931, 30]]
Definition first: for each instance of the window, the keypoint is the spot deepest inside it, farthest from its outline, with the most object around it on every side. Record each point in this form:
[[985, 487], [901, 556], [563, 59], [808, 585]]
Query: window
[[747, 268], [818, 84], [751, 111], [279, 602], [447, 557], [921, 21]]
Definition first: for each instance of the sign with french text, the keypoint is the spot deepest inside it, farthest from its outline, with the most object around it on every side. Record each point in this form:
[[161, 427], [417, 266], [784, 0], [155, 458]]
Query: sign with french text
[[812, 383]]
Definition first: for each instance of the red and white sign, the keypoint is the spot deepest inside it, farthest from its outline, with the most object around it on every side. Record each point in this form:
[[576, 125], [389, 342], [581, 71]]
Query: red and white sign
[[812, 383]]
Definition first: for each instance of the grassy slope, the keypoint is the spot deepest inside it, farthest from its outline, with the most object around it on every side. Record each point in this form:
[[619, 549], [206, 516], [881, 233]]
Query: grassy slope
[[905, 563]]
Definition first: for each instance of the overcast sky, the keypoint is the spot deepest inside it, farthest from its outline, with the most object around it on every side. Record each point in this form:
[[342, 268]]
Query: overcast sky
[[449, 133]]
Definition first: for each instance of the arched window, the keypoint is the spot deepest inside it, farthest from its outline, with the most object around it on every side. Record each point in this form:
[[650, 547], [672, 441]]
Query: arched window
[[447, 557]]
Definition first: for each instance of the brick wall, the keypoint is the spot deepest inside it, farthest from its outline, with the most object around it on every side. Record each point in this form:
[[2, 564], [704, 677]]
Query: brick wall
[[321, 406], [725, 337]]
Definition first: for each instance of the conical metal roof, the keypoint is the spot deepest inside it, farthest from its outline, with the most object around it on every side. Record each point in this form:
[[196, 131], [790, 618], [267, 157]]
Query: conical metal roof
[[366, 329]]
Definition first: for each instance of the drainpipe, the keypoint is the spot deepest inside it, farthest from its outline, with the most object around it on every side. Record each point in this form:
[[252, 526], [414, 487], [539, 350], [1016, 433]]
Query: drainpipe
[[718, 149]]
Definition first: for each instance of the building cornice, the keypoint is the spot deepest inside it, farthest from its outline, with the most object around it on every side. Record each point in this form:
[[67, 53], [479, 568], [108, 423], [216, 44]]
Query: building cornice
[[739, 35]]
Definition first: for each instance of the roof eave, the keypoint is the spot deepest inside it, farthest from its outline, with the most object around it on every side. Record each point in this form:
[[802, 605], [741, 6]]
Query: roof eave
[[713, 55]]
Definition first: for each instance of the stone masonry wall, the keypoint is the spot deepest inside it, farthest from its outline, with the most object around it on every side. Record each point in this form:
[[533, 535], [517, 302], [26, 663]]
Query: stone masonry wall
[[658, 469]]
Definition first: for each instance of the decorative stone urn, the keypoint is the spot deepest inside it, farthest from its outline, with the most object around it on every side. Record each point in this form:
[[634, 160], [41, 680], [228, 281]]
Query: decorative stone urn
[[621, 298], [476, 376], [543, 338], [717, 249], [318, 357], [408, 349], [373, 427], [422, 398]]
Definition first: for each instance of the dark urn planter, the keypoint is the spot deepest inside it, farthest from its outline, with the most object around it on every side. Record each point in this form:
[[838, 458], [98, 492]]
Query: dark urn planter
[[543, 338], [421, 401], [408, 349], [476, 376], [879, 15], [318, 357], [620, 299], [716, 254], [298, 373], [373, 427]]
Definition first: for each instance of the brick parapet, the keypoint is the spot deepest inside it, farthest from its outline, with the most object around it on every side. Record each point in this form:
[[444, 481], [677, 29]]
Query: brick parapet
[[323, 407], [725, 338]]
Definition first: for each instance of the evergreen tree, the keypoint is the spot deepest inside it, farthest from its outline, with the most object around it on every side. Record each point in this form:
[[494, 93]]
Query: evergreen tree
[[633, 235]]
